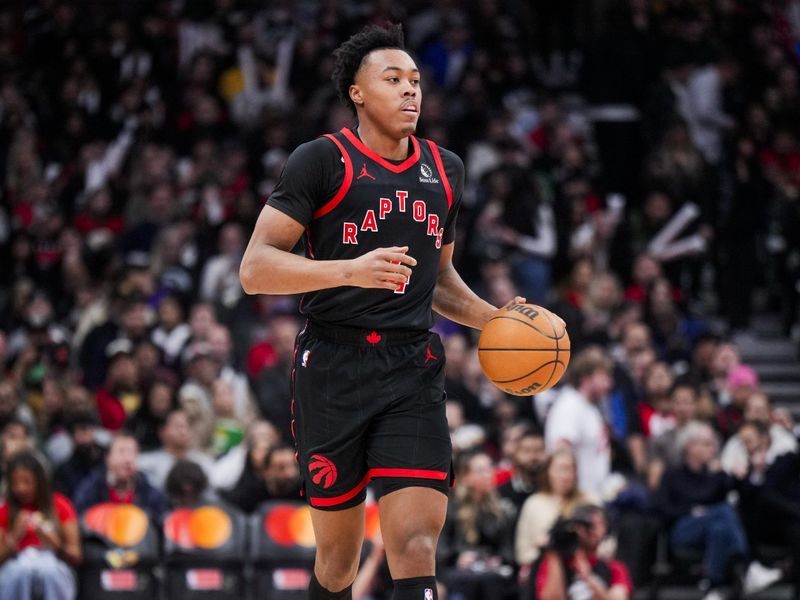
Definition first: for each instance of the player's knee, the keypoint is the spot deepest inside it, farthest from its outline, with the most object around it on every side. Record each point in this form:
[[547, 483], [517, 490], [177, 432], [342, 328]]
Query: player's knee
[[335, 569], [419, 548]]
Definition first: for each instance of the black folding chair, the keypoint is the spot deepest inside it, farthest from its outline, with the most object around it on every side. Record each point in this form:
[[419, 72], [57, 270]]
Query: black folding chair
[[120, 551], [205, 550], [282, 550]]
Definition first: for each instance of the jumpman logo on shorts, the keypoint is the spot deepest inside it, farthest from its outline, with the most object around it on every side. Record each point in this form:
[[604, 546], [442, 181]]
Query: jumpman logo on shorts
[[429, 355], [364, 173]]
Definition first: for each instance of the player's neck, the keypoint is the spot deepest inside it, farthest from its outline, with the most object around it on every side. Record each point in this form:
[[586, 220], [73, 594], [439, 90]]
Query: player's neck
[[382, 144]]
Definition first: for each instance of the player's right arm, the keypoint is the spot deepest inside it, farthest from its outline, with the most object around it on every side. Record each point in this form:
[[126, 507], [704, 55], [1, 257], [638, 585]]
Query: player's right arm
[[270, 267], [312, 175]]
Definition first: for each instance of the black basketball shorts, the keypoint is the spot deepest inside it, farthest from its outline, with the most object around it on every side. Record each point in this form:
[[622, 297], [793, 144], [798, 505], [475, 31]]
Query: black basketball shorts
[[368, 406]]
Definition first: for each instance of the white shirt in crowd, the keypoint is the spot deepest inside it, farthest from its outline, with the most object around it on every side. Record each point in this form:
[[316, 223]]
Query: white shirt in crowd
[[734, 457], [704, 113], [172, 342], [575, 420]]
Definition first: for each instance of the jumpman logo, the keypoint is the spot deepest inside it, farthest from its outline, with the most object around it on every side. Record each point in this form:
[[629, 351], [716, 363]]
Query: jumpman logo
[[429, 355], [364, 173]]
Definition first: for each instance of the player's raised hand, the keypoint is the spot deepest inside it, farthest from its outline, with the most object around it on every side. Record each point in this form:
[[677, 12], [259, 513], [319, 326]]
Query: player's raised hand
[[381, 268]]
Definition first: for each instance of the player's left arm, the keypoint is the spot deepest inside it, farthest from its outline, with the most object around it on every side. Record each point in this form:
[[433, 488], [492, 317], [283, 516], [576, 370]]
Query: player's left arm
[[453, 299]]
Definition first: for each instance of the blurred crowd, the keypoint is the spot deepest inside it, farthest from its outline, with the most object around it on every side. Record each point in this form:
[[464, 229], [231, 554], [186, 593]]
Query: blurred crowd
[[633, 165]]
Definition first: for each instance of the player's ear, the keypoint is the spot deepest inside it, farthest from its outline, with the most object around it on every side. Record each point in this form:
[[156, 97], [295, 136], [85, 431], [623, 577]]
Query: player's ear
[[356, 95]]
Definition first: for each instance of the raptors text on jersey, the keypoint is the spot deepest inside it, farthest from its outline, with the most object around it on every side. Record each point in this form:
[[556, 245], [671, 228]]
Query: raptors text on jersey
[[352, 201], [370, 223]]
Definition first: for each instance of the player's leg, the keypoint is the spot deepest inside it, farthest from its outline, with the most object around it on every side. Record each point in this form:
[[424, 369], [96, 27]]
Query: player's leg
[[338, 535], [410, 456], [411, 542], [329, 427]]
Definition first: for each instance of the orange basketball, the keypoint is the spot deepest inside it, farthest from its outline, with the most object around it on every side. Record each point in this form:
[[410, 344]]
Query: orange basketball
[[524, 349]]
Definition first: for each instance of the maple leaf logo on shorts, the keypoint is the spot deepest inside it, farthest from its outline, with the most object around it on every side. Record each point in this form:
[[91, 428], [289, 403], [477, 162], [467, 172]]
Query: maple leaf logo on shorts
[[325, 471]]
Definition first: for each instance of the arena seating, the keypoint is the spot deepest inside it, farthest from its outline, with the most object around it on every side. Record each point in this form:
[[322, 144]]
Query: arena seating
[[121, 545], [205, 550]]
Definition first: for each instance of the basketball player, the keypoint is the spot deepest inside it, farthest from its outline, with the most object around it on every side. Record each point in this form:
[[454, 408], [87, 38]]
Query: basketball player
[[377, 209]]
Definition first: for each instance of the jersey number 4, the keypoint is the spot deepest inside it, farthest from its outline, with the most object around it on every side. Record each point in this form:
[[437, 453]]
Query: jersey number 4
[[401, 287]]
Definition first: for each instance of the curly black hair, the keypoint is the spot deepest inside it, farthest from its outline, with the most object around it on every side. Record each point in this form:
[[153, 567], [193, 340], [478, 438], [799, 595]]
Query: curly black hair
[[351, 54]]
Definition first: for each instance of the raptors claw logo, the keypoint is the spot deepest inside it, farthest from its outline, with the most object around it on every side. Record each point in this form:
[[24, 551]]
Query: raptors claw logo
[[325, 471]]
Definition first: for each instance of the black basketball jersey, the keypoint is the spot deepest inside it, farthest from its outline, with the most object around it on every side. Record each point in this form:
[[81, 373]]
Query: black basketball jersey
[[351, 201]]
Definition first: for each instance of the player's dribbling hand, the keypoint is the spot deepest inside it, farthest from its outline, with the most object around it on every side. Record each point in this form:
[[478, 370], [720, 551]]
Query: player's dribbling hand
[[521, 300], [381, 268], [515, 300]]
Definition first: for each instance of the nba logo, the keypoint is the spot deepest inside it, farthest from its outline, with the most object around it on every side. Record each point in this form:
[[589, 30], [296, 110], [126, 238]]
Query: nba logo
[[428, 594], [306, 354]]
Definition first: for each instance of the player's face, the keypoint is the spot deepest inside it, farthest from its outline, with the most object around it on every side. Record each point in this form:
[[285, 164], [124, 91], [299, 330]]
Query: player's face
[[387, 91]]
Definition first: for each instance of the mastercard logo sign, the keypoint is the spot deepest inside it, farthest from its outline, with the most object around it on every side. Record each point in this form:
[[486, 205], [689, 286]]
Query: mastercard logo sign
[[290, 525], [123, 524], [208, 527]]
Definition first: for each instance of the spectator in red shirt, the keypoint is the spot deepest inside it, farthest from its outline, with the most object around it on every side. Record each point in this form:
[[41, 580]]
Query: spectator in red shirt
[[781, 162], [39, 537], [550, 117], [119, 481], [571, 569], [579, 280], [656, 409], [646, 270], [119, 397], [98, 215]]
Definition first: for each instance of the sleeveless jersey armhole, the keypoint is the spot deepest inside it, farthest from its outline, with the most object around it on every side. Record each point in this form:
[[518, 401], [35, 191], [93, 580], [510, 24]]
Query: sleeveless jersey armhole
[[346, 182], [437, 158]]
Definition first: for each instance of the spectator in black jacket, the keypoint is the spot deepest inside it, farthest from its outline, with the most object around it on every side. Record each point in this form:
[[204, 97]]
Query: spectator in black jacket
[[276, 478], [87, 454], [772, 488], [476, 546], [272, 387], [528, 461], [119, 481], [693, 498], [152, 414]]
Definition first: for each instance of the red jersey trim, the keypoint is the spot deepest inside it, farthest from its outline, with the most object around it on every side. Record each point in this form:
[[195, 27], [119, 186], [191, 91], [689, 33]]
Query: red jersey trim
[[437, 158], [343, 497], [378, 158], [382, 472], [415, 473], [348, 179]]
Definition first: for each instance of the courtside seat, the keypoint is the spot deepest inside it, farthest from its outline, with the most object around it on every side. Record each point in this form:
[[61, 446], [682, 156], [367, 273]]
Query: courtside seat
[[120, 549], [674, 566], [282, 548], [205, 550]]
